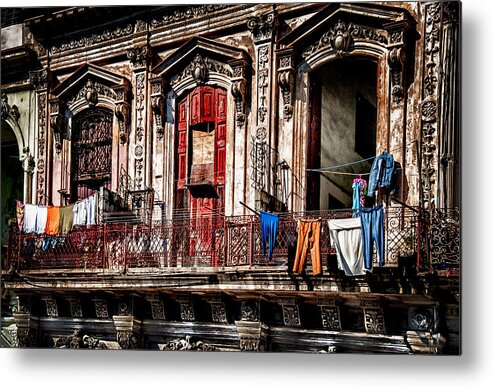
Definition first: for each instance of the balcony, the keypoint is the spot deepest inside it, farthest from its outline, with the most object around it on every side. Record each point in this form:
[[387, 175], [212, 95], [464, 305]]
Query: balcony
[[222, 242]]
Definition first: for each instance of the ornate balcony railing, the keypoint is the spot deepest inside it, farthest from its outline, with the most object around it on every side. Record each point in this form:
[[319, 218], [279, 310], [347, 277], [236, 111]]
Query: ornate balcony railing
[[218, 241]]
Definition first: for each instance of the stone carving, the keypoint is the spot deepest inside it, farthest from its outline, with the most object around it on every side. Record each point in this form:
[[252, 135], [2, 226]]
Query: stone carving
[[262, 83], [122, 113], [157, 310], [199, 70], [124, 309], [181, 14], [251, 345], [187, 312], [286, 82], [421, 319], [126, 340], [139, 56], [331, 318], [7, 110], [26, 337], [250, 311], [39, 79], [374, 321], [75, 308], [239, 90], [57, 124], [291, 315], [187, 345], [396, 60], [41, 147], [429, 125], [139, 128], [157, 105], [51, 307], [101, 308], [341, 37], [140, 26], [88, 41], [262, 27], [219, 312], [91, 92]]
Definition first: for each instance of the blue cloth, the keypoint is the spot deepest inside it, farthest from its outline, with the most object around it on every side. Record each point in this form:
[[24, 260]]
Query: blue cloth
[[356, 199], [373, 229], [269, 224], [382, 173]]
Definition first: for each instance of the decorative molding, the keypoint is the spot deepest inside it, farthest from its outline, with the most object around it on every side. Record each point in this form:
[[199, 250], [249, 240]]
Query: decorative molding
[[75, 308], [285, 75], [157, 307], [39, 79], [90, 92], [262, 27], [253, 335], [341, 36], [51, 306], [124, 308], [187, 345], [199, 69], [395, 60], [57, 123], [41, 147], [158, 105], [331, 317], [7, 110], [27, 328], [250, 310], [181, 14], [94, 39], [101, 308], [139, 56], [429, 104], [140, 97], [122, 111]]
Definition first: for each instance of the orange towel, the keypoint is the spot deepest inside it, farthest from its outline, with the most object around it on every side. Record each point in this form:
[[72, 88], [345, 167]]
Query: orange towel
[[53, 220]]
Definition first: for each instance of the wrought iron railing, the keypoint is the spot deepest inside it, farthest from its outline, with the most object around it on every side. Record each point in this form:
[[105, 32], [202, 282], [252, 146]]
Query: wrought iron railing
[[218, 241]]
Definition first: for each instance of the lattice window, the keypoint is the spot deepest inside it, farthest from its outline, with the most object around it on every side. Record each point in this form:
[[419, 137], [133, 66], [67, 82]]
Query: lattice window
[[91, 151]]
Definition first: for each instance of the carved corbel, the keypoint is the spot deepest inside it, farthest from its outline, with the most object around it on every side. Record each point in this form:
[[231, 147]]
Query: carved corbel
[[286, 81], [57, 123], [122, 111], [395, 60], [340, 38], [290, 312], [158, 105], [187, 311], [239, 89], [39, 79], [373, 315]]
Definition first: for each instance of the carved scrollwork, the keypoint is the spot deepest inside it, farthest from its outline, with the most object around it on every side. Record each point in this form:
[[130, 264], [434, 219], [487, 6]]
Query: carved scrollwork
[[251, 345], [139, 56], [199, 69], [7, 110], [421, 319], [286, 81], [187, 345], [330, 317], [57, 123], [122, 113], [374, 320], [187, 312], [127, 340], [250, 311], [396, 59], [291, 315], [262, 27]]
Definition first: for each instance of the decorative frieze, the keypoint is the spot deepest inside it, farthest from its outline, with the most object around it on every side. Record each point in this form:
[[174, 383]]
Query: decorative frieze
[[250, 310], [93, 39], [331, 317], [139, 56], [140, 92], [157, 307], [127, 340], [263, 67], [90, 93], [187, 311], [181, 14], [187, 344], [77, 340], [341, 36]]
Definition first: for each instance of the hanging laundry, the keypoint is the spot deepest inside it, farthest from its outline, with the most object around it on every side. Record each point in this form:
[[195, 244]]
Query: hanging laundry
[[80, 213], [41, 218], [382, 174], [359, 189], [373, 229], [92, 208], [53, 220], [308, 239], [346, 236], [30, 216], [66, 219], [19, 213], [269, 224]]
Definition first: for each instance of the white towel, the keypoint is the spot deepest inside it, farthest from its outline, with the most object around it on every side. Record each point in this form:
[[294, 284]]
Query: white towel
[[346, 235], [92, 208], [30, 215], [41, 218], [80, 213]]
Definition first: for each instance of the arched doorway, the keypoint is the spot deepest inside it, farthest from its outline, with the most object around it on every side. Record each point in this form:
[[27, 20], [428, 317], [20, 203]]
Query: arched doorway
[[342, 129], [91, 152], [12, 177]]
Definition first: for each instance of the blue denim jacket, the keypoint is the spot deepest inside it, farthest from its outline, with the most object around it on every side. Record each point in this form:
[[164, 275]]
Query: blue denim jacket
[[381, 173]]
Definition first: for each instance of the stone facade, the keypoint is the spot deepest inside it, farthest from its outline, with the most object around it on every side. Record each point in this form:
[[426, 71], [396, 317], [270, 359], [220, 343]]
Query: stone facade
[[264, 65]]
